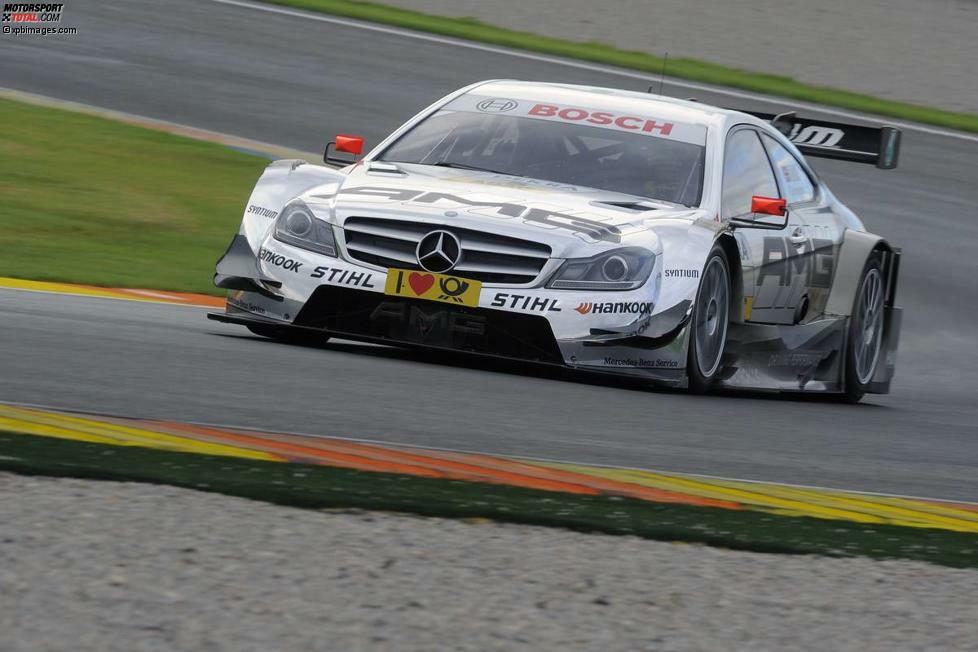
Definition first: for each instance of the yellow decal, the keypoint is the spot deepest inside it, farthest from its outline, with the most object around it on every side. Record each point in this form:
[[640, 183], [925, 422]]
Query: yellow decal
[[748, 305], [434, 287]]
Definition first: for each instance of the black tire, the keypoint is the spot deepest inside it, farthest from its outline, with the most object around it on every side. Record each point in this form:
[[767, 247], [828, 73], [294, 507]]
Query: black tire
[[708, 323], [864, 346], [289, 335]]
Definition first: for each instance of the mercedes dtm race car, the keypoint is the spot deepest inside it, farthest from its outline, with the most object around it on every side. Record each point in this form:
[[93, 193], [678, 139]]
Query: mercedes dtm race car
[[594, 228]]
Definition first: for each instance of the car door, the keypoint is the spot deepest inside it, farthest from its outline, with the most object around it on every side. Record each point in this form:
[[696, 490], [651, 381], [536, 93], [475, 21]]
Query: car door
[[773, 287], [822, 228]]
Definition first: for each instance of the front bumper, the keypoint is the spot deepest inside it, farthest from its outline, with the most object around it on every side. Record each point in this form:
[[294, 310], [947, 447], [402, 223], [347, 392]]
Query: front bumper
[[613, 331], [378, 318]]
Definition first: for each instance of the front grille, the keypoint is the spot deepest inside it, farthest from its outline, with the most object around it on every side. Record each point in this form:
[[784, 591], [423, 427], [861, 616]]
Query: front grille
[[486, 257], [395, 320]]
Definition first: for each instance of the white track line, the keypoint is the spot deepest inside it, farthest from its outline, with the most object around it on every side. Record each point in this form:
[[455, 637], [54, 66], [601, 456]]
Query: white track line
[[582, 65]]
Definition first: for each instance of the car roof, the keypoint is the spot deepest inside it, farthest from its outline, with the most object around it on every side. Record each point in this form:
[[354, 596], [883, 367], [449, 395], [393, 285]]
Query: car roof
[[611, 99]]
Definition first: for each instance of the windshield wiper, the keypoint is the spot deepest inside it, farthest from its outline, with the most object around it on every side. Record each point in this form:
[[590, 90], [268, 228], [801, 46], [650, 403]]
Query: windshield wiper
[[466, 166]]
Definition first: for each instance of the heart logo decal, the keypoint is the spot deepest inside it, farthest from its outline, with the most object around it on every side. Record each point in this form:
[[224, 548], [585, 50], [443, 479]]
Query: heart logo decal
[[420, 283]]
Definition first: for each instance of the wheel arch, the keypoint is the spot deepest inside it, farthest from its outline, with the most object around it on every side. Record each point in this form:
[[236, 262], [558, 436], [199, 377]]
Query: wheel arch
[[856, 248], [729, 245]]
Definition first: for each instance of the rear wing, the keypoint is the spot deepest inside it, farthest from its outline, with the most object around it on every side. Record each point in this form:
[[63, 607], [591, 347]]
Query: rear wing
[[876, 146]]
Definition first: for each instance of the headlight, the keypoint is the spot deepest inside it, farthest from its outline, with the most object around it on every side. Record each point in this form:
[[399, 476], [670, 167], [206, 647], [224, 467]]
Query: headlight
[[620, 269], [298, 227]]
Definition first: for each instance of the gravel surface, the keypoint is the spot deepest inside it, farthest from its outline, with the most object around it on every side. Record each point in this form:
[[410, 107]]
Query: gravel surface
[[118, 566], [921, 51]]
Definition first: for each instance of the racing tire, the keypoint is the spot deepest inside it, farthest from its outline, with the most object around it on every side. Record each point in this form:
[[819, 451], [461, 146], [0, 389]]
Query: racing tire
[[864, 346], [288, 335], [708, 323]]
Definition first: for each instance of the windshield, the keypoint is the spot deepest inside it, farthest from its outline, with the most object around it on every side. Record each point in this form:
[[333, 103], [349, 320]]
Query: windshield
[[634, 163]]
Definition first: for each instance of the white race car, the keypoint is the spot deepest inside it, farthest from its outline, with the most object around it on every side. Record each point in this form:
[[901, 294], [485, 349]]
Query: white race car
[[600, 229]]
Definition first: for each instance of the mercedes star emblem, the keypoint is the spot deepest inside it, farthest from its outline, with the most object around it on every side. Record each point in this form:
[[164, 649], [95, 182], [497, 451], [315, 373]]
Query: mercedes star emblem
[[439, 251]]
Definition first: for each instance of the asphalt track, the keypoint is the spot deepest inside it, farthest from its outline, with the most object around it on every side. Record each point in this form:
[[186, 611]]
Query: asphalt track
[[295, 81]]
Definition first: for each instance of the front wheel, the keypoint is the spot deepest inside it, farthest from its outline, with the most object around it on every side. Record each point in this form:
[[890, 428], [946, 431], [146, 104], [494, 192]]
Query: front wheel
[[708, 324], [865, 331]]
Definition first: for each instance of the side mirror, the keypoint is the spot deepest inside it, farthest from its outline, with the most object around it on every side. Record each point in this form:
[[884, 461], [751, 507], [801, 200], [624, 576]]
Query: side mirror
[[768, 205], [346, 144], [760, 207]]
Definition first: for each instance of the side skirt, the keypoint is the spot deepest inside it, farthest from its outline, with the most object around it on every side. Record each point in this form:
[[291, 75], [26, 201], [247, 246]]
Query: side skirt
[[797, 358]]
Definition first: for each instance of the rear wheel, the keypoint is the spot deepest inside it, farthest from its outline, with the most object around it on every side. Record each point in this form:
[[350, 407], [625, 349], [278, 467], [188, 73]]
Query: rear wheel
[[865, 331], [708, 324], [289, 335]]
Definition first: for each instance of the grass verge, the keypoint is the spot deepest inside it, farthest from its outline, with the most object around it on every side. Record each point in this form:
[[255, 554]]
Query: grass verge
[[316, 487], [692, 69], [91, 200]]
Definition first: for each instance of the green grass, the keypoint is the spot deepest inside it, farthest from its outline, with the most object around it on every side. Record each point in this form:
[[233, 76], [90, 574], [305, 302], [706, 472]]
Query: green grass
[[692, 69], [91, 200], [317, 487]]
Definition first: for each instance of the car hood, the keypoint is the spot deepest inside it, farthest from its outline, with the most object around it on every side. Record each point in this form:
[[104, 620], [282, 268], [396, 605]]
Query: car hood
[[564, 216]]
